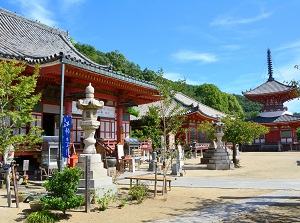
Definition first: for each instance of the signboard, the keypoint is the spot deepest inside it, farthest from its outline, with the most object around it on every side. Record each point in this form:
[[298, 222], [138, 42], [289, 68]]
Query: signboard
[[66, 140], [107, 112], [25, 165], [75, 110]]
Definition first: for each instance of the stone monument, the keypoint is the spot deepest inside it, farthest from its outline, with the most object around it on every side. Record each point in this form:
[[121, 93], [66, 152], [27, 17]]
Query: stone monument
[[220, 159], [177, 168], [99, 182]]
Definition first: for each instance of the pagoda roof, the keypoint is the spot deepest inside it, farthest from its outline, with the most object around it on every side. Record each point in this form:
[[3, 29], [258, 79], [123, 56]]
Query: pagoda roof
[[269, 87], [276, 120], [33, 42], [188, 105]]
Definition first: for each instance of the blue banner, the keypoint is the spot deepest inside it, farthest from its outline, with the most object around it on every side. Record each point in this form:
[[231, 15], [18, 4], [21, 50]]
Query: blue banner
[[67, 124]]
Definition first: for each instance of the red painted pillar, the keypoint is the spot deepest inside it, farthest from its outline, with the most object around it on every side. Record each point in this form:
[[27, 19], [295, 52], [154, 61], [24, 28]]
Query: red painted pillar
[[68, 107], [120, 133]]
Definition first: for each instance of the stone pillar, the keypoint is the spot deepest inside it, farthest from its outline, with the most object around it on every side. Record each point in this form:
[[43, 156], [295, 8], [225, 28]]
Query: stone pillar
[[152, 162], [177, 166], [99, 178], [220, 159]]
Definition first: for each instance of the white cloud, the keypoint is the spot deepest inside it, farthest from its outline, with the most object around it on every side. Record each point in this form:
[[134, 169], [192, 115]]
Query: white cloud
[[67, 5], [46, 11], [232, 47], [37, 10], [228, 20], [290, 46], [293, 106], [187, 56], [173, 76], [240, 83], [177, 76]]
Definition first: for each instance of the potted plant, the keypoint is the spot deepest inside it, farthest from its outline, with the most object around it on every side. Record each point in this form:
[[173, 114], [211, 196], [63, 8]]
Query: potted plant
[[22, 196], [36, 205]]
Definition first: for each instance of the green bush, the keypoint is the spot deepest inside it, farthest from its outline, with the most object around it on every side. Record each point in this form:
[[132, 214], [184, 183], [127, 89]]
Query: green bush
[[41, 217], [107, 198], [62, 187], [138, 192], [122, 203]]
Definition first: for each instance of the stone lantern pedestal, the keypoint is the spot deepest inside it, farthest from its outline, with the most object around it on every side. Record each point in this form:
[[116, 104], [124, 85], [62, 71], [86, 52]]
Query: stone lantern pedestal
[[220, 159], [99, 181]]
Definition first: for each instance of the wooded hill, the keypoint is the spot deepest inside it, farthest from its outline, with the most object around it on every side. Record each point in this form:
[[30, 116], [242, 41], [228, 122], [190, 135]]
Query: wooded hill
[[208, 94]]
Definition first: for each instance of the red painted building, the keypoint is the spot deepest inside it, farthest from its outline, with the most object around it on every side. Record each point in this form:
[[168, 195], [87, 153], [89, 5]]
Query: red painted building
[[195, 113], [64, 69], [282, 124]]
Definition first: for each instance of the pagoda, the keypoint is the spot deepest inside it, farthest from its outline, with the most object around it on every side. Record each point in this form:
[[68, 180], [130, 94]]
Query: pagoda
[[281, 123]]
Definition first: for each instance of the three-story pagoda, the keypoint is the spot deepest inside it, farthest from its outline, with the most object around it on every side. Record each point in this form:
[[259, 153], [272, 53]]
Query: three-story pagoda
[[282, 123]]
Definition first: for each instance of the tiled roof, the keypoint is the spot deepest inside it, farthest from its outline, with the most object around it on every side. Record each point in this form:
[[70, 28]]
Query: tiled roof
[[28, 40], [278, 119], [32, 41], [188, 104], [269, 87]]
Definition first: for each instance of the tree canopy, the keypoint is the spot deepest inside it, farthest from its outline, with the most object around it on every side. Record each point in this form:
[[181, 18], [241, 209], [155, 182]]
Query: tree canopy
[[238, 131], [210, 95], [207, 94], [166, 116], [17, 100]]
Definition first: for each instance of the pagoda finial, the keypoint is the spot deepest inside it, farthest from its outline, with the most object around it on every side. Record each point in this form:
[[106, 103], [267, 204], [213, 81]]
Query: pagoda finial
[[270, 69]]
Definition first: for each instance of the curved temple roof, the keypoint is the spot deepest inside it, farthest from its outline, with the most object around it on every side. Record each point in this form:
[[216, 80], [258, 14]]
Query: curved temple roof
[[33, 42], [187, 104]]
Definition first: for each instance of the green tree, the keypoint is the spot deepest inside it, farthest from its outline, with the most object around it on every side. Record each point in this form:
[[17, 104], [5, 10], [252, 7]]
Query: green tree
[[148, 75], [234, 106], [238, 131], [151, 127], [211, 95], [164, 118], [207, 128], [91, 53], [250, 108], [17, 99]]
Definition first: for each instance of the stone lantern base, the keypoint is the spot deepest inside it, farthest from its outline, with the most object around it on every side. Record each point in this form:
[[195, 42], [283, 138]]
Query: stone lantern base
[[207, 154], [100, 182], [220, 161]]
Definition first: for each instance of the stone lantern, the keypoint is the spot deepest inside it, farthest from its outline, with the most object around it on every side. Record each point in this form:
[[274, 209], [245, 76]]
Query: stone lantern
[[89, 107], [220, 159], [98, 174], [219, 132]]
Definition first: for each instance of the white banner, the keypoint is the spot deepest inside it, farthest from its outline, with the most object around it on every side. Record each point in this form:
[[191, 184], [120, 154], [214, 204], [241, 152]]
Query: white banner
[[107, 112]]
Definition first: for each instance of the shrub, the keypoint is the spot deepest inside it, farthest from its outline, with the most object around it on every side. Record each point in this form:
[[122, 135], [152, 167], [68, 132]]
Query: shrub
[[122, 203], [41, 217], [63, 187], [138, 192], [107, 198]]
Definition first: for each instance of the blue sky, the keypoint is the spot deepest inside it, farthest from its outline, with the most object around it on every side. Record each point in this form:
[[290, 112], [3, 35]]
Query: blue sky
[[220, 42]]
